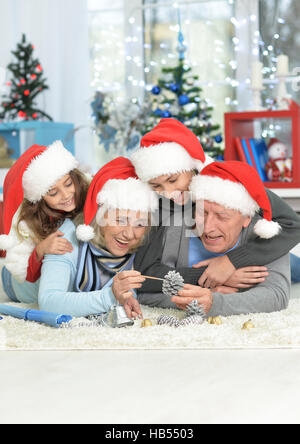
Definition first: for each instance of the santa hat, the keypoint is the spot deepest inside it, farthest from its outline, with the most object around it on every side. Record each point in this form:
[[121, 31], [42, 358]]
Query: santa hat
[[115, 186], [31, 177], [236, 185], [169, 148]]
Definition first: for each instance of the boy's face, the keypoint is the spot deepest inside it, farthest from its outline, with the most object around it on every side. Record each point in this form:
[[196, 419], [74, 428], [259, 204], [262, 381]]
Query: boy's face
[[174, 186]]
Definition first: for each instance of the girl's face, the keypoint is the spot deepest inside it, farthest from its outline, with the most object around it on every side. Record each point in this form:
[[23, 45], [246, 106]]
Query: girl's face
[[174, 187], [62, 195], [123, 230]]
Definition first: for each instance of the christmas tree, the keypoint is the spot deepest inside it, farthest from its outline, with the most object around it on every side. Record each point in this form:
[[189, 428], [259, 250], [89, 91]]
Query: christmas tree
[[26, 84], [178, 95]]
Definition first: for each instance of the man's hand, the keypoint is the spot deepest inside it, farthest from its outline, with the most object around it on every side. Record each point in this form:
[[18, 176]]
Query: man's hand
[[219, 269], [189, 293]]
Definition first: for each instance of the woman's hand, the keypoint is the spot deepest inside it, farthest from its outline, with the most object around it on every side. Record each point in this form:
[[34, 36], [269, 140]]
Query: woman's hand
[[219, 270], [132, 308], [124, 282], [247, 277], [53, 244]]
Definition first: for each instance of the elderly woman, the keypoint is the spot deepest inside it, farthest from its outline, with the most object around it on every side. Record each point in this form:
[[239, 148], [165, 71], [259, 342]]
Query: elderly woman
[[99, 272]]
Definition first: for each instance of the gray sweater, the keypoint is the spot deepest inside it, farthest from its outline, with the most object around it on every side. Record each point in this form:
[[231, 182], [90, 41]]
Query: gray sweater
[[171, 247]]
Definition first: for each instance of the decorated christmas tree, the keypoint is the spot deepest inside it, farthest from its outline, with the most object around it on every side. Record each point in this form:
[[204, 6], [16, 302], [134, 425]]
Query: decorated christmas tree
[[178, 95], [26, 84]]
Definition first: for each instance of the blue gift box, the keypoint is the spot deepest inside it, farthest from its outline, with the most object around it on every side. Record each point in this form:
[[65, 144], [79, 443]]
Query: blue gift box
[[21, 135]]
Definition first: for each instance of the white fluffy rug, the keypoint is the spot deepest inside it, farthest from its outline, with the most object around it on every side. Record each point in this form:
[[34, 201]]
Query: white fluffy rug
[[275, 330]]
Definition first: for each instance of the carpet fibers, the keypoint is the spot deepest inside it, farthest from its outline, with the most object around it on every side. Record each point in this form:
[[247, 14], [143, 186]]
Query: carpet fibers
[[273, 330]]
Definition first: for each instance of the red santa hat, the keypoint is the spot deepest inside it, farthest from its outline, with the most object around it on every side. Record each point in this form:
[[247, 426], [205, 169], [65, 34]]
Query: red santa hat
[[236, 185], [115, 186], [169, 148], [31, 177]]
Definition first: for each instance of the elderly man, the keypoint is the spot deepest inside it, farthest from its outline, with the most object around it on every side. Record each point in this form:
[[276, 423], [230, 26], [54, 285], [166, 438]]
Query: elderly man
[[232, 194]]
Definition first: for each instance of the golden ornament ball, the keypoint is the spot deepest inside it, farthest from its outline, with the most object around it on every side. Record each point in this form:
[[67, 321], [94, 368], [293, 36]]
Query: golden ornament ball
[[146, 323], [217, 321], [248, 325]]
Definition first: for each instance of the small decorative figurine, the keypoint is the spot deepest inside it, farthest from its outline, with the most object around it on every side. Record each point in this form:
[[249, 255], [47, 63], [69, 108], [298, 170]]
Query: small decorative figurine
[[279, 166]]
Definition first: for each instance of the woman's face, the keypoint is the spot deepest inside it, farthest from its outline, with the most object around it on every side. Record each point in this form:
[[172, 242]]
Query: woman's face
[[174, 187], [62, 195], [123, 230]]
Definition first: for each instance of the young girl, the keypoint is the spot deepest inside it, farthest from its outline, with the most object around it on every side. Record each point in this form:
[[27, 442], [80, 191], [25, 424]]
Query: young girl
[[41, 190], [169, 156], [98, 272]]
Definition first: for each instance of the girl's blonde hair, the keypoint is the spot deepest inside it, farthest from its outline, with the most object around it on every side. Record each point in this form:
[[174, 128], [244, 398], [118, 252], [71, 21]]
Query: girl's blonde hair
[[43, 220]]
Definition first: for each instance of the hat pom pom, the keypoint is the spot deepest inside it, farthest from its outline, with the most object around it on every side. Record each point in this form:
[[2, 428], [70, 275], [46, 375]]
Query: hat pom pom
[[6, 242], [85, 233], [267, 229]]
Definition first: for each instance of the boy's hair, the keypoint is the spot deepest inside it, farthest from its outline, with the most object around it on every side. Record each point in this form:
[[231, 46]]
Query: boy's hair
[[42, 220]]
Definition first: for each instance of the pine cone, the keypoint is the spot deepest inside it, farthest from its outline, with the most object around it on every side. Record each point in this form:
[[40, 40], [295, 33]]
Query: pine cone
[[173, 283], [195, 309], [191, 320], [168, 320]]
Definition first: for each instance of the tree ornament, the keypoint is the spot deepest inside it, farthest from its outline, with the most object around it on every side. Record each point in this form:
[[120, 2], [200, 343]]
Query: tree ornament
[[146, 323], [158, 112], [248, 325], [183, 100], [174, 87], [215, 320], [156, 90], [219, 138], [166, 114]]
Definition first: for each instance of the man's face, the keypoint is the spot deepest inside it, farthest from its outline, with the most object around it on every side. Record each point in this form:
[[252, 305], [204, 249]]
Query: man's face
[[221, 226]]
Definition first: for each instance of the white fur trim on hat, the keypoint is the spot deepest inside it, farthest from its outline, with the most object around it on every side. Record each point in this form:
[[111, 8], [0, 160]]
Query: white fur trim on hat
[[129, 194], [223, 192], [159, 160], [46, 169], [267, 229], [85, 233]]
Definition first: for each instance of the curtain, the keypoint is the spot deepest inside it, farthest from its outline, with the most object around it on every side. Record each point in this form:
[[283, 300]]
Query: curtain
[[59, 31]]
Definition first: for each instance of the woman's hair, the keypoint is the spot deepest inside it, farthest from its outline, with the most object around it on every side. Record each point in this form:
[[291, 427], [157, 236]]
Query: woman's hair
[[43, 220]]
